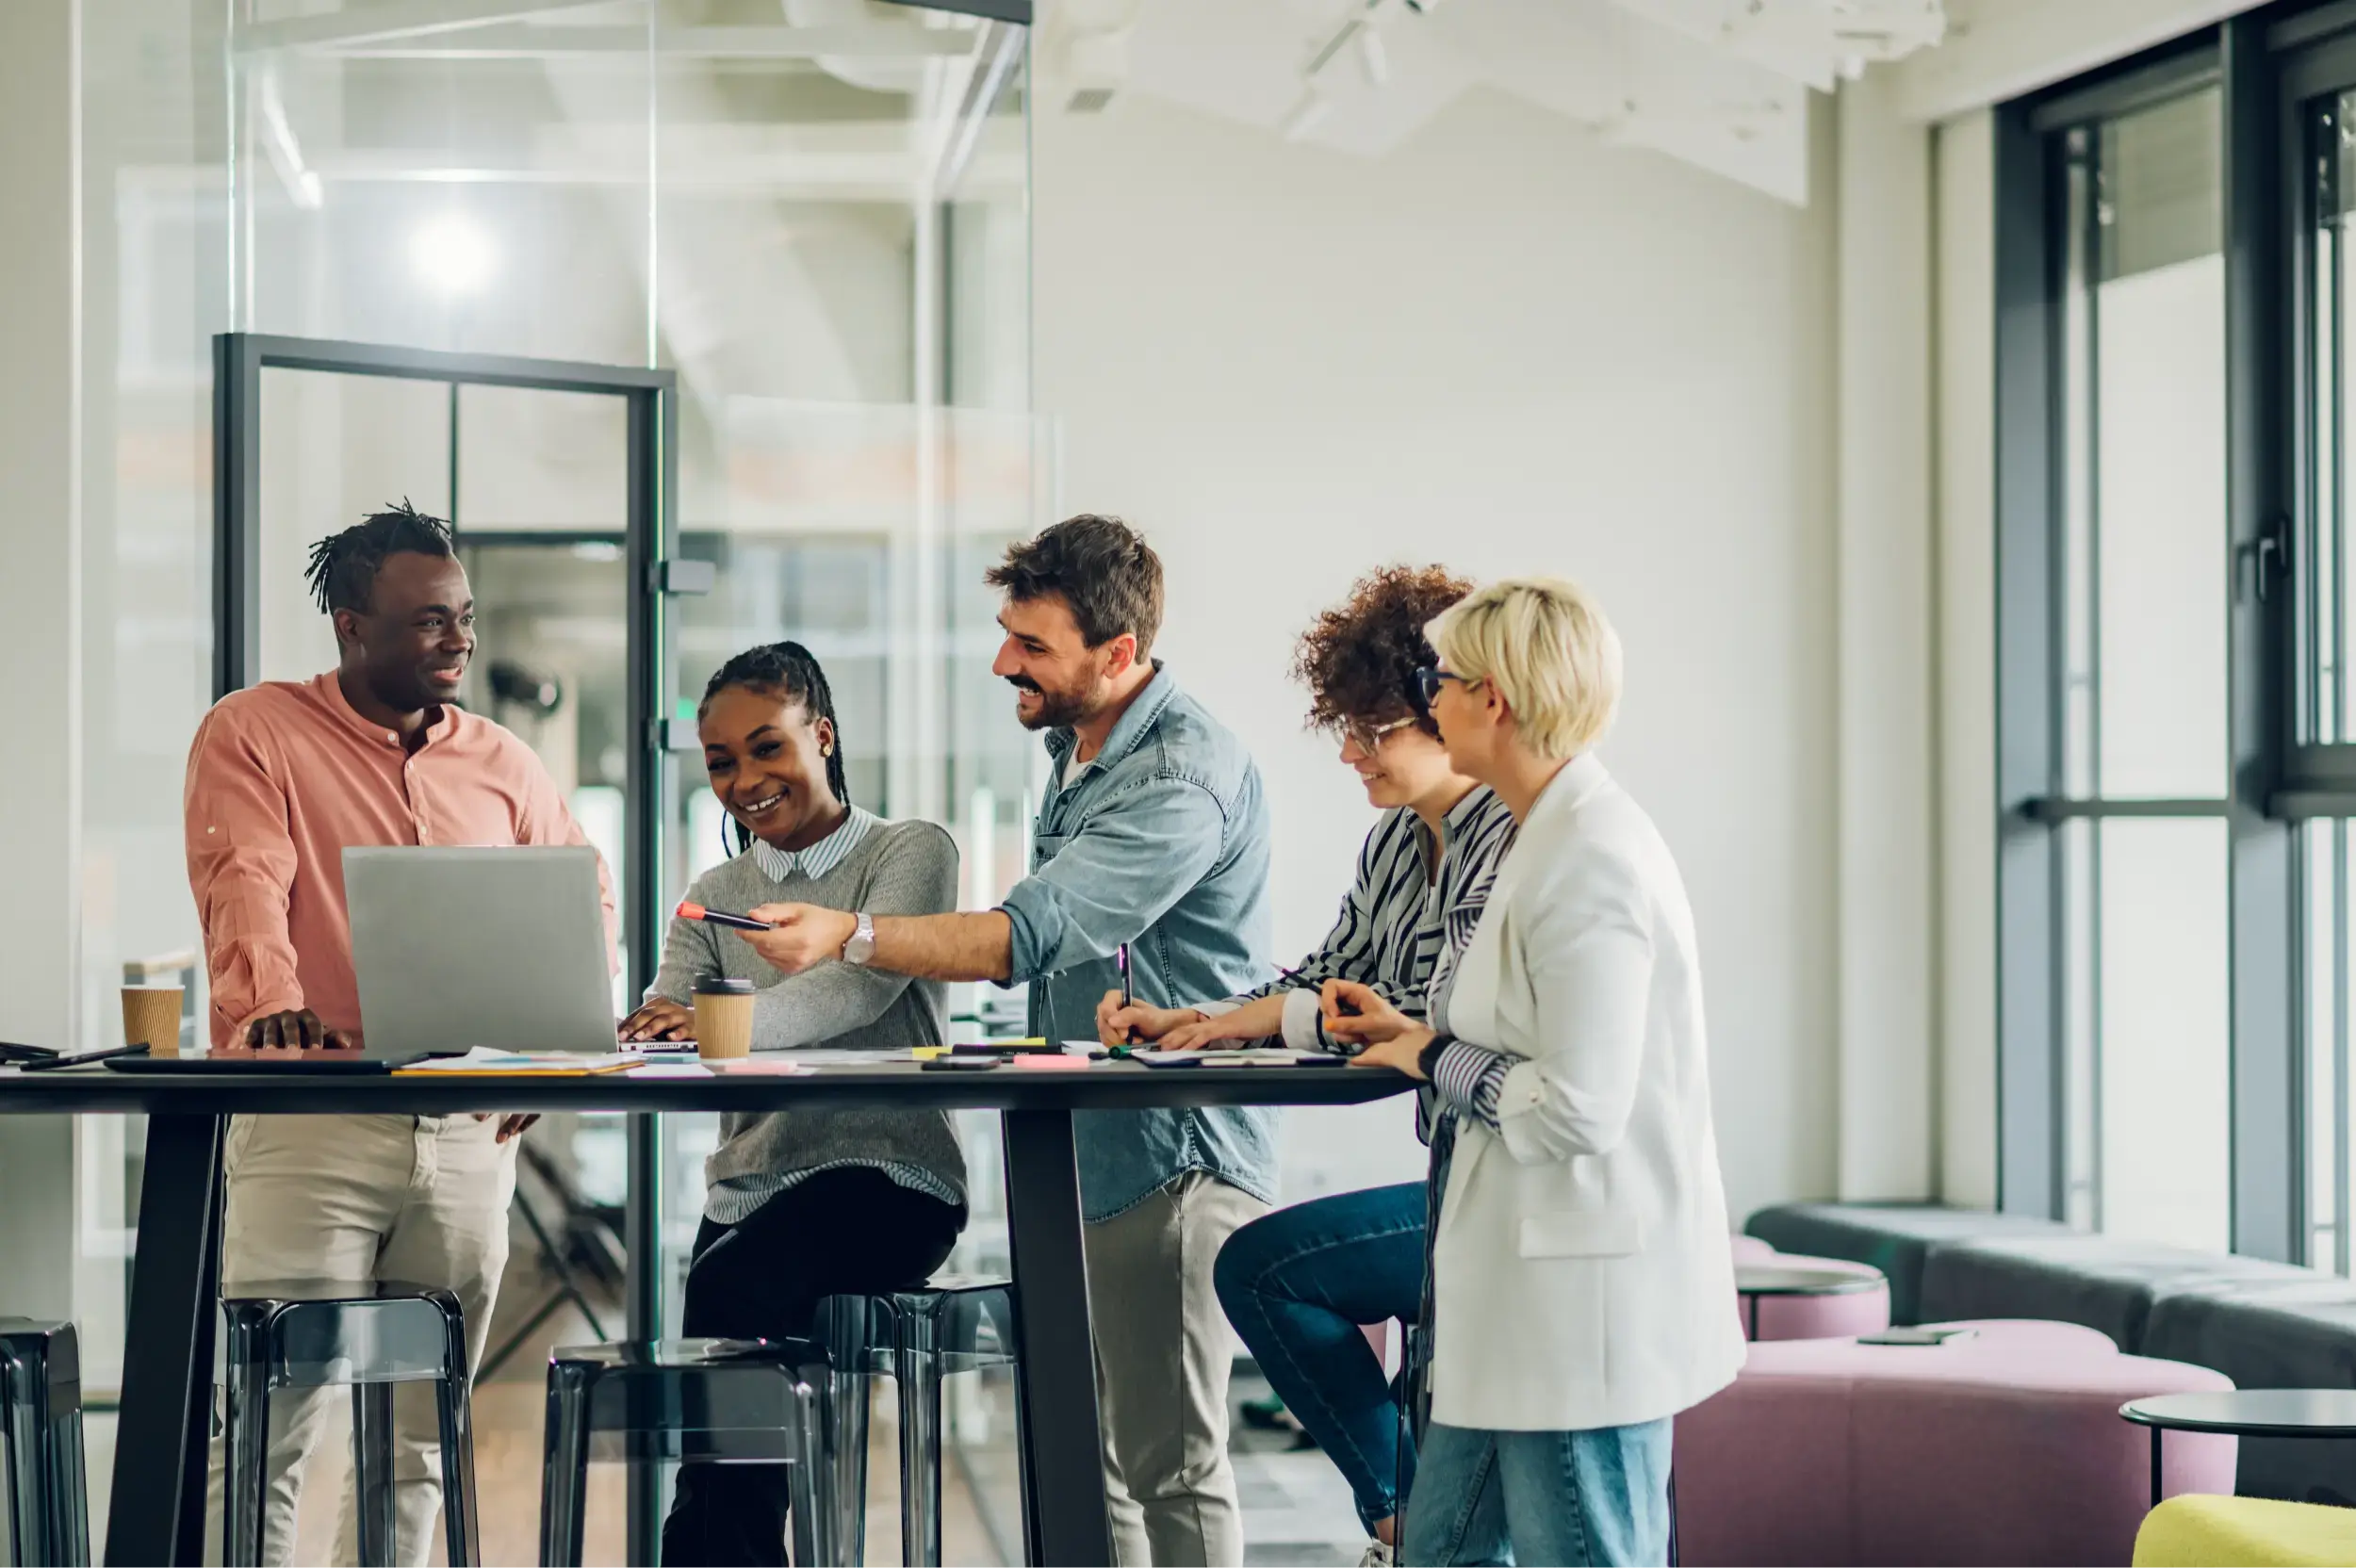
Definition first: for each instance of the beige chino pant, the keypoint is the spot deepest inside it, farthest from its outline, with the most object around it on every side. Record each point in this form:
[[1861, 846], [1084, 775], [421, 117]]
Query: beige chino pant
[[421, 1200], [1163, 1355]]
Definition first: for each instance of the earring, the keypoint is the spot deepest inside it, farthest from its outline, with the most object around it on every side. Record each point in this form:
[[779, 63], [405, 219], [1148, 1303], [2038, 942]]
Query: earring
[[825, 751]]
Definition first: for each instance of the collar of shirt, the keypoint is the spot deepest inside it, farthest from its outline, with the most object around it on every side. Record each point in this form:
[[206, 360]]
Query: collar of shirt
[[330, 687], [1143, 712], [820, 858]]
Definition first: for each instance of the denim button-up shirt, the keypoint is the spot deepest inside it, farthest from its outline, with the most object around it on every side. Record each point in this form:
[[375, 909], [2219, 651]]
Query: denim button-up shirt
[[1162, 844]]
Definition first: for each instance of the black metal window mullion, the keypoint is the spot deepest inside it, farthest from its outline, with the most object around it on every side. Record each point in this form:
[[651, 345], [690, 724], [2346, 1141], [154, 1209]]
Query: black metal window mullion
[[2086, 280]]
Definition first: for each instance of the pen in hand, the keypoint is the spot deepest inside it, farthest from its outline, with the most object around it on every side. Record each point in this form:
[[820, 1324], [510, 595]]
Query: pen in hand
[[1120, 957]]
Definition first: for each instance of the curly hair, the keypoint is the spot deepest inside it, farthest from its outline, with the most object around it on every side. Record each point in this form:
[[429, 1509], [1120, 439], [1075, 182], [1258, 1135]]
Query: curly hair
[[1359, 659]]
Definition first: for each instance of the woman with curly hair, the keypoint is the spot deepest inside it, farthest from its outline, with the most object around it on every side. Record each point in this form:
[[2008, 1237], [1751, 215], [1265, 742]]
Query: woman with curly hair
[[1298, 1282]]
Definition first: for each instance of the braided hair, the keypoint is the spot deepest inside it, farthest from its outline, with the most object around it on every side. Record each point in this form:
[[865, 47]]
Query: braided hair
[[343, 566], [790, 671]]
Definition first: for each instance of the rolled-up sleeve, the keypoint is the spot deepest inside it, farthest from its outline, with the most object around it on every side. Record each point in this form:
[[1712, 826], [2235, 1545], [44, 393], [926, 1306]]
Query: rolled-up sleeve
[[1589, 954], [1130, 861], [241, 867]]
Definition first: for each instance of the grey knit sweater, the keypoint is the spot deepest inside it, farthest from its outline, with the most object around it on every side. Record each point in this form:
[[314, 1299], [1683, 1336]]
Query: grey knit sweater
[[900, 868]]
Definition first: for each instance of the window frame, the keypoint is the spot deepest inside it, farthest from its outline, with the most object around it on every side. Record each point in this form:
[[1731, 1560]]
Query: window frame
[[2246, 64]]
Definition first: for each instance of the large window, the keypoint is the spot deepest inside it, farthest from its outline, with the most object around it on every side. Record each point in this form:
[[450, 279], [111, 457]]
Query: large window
[[2177, 724], [2140, 683]]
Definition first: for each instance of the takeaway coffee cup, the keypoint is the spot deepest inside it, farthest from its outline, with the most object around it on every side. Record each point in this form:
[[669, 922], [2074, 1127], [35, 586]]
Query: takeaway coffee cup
[[151, 1016], [723, 1019]]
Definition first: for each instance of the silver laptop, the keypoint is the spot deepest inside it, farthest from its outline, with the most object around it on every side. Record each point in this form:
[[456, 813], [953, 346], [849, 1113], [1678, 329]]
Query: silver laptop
[[458, 948]]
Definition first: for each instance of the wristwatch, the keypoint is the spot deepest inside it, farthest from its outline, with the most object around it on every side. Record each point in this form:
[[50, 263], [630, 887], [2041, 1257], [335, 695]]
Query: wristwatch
[[861, 948], [1427, 1059]]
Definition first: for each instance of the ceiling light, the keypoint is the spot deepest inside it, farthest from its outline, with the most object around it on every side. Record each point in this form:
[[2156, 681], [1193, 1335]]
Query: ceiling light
[[453, 254], [1306, 114], [1374, 57]]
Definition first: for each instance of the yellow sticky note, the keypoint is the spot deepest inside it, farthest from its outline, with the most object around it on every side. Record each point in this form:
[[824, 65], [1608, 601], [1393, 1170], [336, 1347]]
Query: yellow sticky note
[[928, 1053]]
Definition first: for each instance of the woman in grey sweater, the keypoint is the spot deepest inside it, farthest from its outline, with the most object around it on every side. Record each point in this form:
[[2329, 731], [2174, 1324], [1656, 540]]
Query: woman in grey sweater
[[801, 1204]]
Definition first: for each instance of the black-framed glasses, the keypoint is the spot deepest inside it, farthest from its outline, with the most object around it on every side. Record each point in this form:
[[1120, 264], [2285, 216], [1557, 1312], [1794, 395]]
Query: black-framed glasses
[[1427, 681]]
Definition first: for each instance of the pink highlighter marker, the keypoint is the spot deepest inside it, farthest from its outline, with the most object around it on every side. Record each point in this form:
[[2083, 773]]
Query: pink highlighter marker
[[696, 911]]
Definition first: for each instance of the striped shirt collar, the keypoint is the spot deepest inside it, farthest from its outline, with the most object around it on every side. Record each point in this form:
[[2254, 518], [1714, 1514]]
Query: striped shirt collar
[[819, 858]]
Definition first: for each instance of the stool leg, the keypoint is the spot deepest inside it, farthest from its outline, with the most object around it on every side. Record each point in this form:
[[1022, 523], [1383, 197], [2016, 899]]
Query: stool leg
[[452, 1398], [245, 1436], [67, 1503], [563, 1470], [23, 1482], [916, 1367], [844, 1322], [372, 1470], [813, 1518]]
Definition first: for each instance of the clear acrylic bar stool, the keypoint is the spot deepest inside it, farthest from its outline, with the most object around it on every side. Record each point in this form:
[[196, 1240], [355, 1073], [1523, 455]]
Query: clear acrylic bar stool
[[952, 1323], [741, 1401], [41, 1421], [371, 1337]]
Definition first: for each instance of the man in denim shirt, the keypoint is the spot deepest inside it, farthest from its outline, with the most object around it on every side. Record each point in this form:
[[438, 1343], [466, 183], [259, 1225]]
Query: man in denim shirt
[[1153, 833]]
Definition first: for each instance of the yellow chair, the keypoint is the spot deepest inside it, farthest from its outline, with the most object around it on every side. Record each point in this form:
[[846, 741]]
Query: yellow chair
[[2194, 1531]]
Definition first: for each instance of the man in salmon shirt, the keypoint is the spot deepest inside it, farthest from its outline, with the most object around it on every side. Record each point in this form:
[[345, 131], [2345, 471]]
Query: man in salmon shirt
[[284, 777]]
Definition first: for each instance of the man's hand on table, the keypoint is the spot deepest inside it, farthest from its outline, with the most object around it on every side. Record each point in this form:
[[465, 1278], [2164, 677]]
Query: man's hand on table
[[296, 1029], [800, 936], [1137, 1025]]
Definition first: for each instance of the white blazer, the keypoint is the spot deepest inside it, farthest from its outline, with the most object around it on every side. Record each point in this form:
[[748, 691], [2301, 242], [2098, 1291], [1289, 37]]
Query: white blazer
[[1581, 1273]]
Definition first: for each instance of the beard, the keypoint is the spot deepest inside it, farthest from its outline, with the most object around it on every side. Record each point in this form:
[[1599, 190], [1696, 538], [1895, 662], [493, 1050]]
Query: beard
[[1056, 710]]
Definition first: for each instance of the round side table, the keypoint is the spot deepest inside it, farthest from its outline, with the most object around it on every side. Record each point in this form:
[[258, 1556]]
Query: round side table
[[2244, 1413], [1753, 1281]]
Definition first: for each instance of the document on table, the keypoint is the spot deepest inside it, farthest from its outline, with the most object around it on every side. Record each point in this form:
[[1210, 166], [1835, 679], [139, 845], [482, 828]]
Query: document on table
[[731, 1067], [485, 1062], [834, 1058], [1249, 1056]]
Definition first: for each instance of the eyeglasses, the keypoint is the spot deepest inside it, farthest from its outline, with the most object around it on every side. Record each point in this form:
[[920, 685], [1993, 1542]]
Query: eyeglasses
[[1368, 737], [1429, 678]]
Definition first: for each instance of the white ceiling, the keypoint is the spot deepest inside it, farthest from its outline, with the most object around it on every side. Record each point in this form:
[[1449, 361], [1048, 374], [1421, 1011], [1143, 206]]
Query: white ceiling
[[1720, 84]]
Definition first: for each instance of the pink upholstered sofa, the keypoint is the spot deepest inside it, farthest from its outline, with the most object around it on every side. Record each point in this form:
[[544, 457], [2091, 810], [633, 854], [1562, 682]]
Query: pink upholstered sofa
[[2003, 1448]]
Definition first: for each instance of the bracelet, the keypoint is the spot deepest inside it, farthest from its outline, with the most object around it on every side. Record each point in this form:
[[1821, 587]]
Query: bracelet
[[1427, 1059]]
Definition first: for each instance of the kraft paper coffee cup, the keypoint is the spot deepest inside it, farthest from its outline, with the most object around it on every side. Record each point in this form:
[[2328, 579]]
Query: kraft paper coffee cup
[[723, 1019], [151, 1016]]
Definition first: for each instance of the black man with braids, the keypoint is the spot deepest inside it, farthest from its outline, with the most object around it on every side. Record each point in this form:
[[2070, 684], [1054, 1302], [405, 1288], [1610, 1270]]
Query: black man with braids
[[806, 1203], [283, 777]]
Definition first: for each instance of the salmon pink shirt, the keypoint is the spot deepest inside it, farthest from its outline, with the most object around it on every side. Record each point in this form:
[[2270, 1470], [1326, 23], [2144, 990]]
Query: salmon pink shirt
[[284, 776]]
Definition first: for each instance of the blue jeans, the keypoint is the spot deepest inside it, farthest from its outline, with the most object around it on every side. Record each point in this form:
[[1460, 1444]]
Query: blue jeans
[[1296, 1285], [1573, 1498]]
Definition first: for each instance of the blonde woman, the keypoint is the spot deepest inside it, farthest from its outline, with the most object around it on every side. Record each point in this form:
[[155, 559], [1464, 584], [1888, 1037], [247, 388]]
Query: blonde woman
[[1580, 1267]]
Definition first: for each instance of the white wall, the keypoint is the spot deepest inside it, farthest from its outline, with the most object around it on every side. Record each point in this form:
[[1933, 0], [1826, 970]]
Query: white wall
[[1510, 348], [1885, 679], [1967, 674], [40, 783]]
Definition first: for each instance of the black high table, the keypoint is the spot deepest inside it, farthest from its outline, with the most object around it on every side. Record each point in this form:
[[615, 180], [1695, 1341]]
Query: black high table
[[158, 1510]]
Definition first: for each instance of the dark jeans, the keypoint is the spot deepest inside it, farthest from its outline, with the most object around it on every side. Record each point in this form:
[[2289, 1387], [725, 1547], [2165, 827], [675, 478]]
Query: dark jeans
[[852, 1231], [1296, 1284]]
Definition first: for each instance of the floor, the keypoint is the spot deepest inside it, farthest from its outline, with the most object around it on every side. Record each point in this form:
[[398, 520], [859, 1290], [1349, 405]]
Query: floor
[[1297, 1511]]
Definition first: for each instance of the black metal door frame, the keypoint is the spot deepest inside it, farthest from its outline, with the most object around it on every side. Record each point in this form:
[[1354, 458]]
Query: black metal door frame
[[650, 551]]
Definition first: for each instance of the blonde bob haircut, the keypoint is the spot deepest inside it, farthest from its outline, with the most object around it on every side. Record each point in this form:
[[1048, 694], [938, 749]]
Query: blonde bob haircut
[[1546, 648]]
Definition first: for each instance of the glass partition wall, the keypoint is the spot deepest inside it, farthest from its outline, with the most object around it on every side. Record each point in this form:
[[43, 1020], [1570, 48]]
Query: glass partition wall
[[815, 212]]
